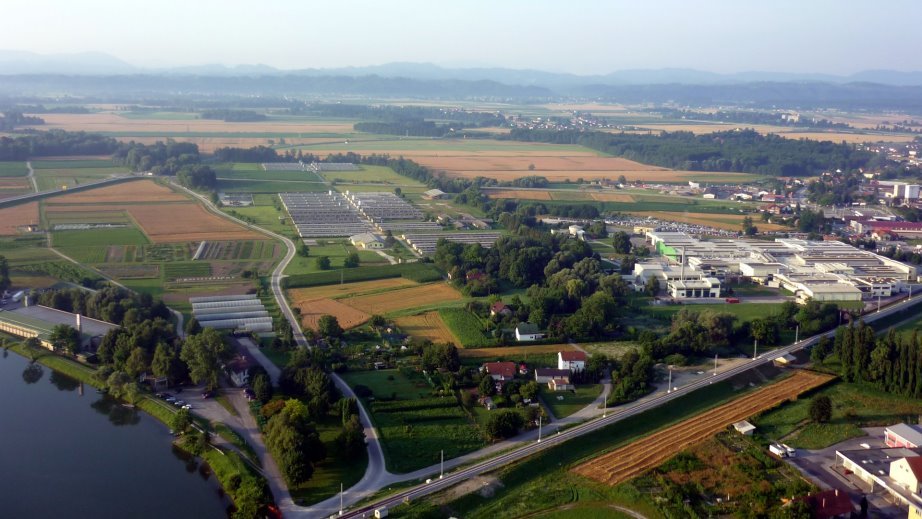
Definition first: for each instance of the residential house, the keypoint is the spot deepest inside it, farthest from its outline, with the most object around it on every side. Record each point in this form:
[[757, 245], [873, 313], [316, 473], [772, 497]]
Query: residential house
[[238, 368], [902, 435], [500, 308], [545, 375], [907, 473], [560, 384], [829, 504], [488, 403], [571, 360], [528, 332], [433, 194], [500, 371]]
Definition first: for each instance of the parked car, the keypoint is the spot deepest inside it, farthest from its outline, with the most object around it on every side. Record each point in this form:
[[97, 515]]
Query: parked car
[[207, 394], [179, 403], [170, 399]]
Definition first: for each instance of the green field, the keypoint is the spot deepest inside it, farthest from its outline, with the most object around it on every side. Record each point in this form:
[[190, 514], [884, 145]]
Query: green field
[[414, 425], [854, 406], [744, 312], [467, 327], [251, 170], [370, 174], [13, 169], [73, 164], [421, 273], [565, 403], [330, 472], [269, 186], [186, 269], [98, 237]]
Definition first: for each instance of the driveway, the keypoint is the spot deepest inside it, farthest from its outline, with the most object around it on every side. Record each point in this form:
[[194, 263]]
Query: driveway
[[274, 371]]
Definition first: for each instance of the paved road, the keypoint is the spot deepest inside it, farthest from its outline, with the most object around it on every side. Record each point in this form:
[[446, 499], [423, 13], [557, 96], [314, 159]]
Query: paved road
[[615, 416], [274, 371]]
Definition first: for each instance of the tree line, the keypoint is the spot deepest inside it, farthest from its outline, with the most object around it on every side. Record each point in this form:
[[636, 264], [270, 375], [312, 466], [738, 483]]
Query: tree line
[[9, 120], [55, 143], [891, 363], [233, 116], [745, 151], [171, 158]]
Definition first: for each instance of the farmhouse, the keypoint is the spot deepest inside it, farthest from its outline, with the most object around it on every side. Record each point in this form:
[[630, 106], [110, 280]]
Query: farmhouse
[[745, 428], [238, 368], [902, 435], [545, 375], [500, 308], [366, 241], [571, 360], [528, 332], [500, 371], [560, 384], [433, 194]]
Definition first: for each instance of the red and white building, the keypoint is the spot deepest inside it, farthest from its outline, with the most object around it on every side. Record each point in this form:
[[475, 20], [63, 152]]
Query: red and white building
[[902, 435], [571, 360]]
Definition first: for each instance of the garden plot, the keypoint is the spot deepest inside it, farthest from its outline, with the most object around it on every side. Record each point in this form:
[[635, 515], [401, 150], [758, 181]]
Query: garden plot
[[403, 299]]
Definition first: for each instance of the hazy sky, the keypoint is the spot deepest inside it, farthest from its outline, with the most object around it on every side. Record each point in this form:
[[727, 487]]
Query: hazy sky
[[585, 37]]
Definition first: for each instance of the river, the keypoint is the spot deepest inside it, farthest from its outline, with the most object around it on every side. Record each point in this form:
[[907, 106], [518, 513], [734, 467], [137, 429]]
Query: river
[[63, 454]]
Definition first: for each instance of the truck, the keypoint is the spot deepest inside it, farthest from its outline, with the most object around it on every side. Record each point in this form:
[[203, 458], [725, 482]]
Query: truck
[[17, 297], [778, 450], [381, 512], [733, 300]]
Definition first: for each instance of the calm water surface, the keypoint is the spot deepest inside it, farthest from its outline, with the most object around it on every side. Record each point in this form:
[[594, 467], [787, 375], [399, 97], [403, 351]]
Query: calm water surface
[[72, 456]]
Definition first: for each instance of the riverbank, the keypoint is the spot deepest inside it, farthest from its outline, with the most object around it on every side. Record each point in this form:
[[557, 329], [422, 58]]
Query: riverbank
[[241, 482]]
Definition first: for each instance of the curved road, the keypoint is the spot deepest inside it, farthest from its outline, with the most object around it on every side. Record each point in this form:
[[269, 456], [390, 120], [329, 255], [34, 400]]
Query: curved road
[[615, 416], [376, 475]]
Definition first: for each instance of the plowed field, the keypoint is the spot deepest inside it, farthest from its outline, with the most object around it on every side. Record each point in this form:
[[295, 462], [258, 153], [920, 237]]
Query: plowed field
[[348, 317], [13, 217], [427, 326], [138, 191], [403, 299], [640, 456]]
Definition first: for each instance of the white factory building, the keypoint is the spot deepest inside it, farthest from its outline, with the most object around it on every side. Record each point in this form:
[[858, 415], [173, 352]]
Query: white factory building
[[818, 270]]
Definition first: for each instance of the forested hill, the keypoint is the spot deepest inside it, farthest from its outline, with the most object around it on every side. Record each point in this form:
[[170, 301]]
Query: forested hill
[[745, 151]]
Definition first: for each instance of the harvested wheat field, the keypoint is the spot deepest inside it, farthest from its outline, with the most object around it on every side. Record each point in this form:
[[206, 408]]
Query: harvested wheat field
[[11, 218], [642, 455], [137, 191], [730, 222], [520, 352], [404, 298], [427, 326], [109, 122], [521, 194], [348, 317], [296, 295]]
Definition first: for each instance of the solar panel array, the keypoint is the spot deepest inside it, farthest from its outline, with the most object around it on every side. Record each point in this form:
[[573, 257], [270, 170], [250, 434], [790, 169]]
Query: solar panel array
[[408, 226], [317, 167], [242, 312], [323, 215], [284, 166]]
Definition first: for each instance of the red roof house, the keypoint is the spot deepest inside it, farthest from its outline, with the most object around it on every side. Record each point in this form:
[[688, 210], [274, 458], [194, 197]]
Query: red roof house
[[829, 504], [500, 370]]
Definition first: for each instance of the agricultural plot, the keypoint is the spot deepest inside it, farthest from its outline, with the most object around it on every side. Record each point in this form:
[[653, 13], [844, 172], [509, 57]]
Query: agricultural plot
[[137, 191], [236, 250], [466, 327], [369, 174], [14, 186], [511, 352], [730, 222], [13, 218], [428, 325], [560, 194], [13, 169], [297, 295], [414, 425], [311, 311], [98, 237], [186, 269], [640, 456], [403, 299]]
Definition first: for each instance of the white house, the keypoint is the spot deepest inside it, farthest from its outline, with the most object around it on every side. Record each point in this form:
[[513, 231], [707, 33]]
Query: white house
[[366, 241], [571, 360], [528, 332], [907, 473]]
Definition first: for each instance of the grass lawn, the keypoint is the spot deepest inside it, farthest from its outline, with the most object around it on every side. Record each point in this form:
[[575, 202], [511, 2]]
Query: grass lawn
[[269, 186], [565, 403], [744, 312], [370, 174], [332, 471], [752, 289], [908, 328], [415, 426], [335, 250], [98, 238], [854, 406]]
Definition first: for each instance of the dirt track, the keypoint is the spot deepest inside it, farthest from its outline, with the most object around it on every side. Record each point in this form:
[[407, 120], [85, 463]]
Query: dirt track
[[640, 456]]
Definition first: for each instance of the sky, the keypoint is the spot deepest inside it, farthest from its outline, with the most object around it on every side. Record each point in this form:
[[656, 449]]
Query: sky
[[576, 36]]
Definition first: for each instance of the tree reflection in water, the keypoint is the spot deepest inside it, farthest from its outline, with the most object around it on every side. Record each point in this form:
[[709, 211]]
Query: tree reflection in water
[[63, 382], [118, 414], [33, 373]]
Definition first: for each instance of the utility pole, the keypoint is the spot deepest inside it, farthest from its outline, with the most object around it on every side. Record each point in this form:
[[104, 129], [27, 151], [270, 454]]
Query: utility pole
[[340, 498], [539, 428], [442, 465], [669, 387], [755, 350], [715, 364], [797, 334], [878, 302]]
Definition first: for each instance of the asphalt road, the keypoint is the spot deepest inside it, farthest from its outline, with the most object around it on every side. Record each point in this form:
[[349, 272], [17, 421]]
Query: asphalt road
[[456, 477]]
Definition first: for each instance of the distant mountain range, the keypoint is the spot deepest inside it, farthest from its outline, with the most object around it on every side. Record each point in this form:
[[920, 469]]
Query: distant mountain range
[[101, 64]]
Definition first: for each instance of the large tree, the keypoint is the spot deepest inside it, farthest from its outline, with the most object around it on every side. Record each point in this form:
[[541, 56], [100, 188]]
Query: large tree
[[4, 274], [294, 442], [65, 338], [203, 354]]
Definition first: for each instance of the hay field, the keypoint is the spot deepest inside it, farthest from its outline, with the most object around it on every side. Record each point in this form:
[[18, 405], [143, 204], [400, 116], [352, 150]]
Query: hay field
[[17, 215], [730, 222], [640, 456], [112, 122], [298, 295], [521, 194], [403, 299], [137, 191], [427, 326], [312, 310]]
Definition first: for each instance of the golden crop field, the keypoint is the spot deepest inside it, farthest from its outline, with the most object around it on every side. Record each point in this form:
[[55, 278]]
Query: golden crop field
[[730, 222], [312, 310], [402, 299], [521, 194], [11, 218], [135, 191], [112, 122], [642, 455], [429, 326], [296, 295]]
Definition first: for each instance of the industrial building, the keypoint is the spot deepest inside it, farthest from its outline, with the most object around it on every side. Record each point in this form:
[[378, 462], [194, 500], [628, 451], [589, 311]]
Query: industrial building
[[818, 270], [425, 243], [38, 321]]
